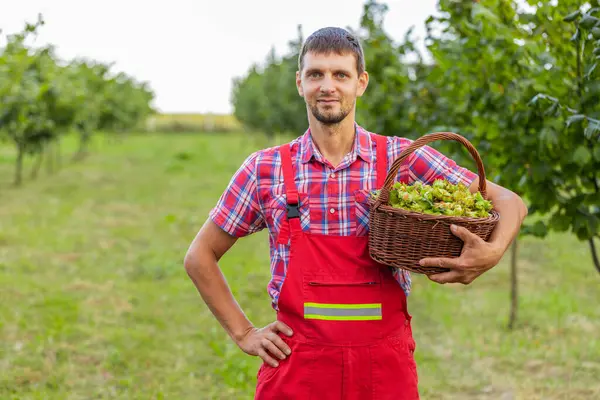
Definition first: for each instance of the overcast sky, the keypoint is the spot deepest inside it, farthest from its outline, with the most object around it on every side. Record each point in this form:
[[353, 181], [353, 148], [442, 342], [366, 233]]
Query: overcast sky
[[189, 50]]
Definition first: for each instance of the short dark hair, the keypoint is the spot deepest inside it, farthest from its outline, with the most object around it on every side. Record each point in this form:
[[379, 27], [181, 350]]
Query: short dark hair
[[338, 40]]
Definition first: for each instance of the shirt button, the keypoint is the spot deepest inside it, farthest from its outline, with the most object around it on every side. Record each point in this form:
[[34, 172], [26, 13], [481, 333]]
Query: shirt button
[[331, 210], [333, 175]]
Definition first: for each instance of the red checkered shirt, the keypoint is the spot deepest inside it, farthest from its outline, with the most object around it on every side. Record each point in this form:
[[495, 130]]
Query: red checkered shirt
[[333, 200]]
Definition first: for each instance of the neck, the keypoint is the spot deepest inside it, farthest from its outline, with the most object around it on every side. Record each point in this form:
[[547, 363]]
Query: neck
[[333, 141]]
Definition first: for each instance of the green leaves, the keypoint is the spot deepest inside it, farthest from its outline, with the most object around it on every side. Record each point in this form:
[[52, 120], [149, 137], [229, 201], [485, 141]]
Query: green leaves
[[588, 21], [572, 16], [538, 229], [590, 70], [592, 128], [596, 151], [585, 225], [561, 222], [485, 14], [582, 155], [573, 119]]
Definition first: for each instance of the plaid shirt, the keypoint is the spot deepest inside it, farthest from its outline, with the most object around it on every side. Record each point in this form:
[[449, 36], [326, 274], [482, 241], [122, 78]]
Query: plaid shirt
[[333, 201]]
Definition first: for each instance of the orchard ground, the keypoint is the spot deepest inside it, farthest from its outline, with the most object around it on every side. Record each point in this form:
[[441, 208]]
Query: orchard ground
[[95, 302]]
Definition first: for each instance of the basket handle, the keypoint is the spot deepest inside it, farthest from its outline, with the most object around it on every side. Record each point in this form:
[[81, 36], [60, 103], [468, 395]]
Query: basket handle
[[422, 141]]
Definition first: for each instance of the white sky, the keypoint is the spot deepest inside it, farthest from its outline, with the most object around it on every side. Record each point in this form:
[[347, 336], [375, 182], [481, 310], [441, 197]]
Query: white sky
[[189, 50]]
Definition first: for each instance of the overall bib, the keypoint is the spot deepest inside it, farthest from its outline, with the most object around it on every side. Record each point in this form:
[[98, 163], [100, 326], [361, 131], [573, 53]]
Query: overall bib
[[352, 330]]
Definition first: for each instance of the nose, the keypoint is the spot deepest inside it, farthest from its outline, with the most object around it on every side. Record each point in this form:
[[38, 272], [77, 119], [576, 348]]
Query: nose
[[327, 86]]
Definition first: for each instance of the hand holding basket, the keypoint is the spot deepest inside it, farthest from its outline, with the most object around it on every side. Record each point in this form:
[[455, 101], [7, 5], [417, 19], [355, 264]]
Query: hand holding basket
[[400, 238]]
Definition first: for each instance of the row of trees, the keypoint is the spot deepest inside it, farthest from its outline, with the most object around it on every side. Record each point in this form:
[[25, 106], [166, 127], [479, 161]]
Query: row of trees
[[520, 83], [43, 98]]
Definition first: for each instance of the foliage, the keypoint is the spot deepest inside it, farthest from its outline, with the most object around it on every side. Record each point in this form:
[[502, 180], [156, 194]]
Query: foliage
[[520, 82], [42, 97], [387, 104], [266, 99], [569, 186]]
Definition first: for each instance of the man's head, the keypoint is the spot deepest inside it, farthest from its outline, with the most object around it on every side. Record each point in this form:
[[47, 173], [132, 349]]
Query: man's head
[[331, 74]]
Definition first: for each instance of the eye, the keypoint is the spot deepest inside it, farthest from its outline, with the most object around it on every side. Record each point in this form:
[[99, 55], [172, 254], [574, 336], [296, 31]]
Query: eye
[[342, 75]]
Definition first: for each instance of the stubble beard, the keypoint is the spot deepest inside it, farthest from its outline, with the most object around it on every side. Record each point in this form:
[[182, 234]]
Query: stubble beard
[[329, 118]]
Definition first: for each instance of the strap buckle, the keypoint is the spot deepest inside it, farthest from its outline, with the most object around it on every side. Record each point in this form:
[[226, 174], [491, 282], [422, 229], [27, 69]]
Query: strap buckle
[[293, 211]]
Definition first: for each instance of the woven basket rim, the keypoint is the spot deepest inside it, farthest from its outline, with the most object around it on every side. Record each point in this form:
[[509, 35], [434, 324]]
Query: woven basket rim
[[383, 197], [450, 219]]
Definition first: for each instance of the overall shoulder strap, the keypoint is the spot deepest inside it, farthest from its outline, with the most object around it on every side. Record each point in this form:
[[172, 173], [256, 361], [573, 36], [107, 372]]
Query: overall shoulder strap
[[381, 160], [291, 191], [292, 222]]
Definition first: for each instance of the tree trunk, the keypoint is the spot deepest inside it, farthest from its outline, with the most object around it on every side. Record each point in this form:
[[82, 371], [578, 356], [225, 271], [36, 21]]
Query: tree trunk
[[56, 154], [19, 165], [38, 162], [83, 146], [513, 286], [594, 254], [50, 159]]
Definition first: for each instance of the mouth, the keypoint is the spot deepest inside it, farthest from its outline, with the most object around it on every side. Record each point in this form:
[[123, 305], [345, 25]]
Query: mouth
[[327, 101]]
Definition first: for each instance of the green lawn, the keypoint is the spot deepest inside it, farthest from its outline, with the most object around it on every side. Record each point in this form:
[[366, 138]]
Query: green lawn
[[95, 303]]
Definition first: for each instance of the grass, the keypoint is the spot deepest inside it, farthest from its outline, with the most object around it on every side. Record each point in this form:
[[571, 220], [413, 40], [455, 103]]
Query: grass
[[95, 303]]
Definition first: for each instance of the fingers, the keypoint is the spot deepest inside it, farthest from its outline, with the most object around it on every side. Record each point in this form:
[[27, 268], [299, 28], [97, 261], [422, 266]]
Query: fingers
[[279, 326], [274, 350], [464, 234], [279, 343], [449, 263], [452, 277], [272, 346], [267, 358]]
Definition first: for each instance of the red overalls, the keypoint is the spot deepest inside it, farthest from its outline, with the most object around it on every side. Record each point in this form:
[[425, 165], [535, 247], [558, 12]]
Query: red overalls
[[352, 332]]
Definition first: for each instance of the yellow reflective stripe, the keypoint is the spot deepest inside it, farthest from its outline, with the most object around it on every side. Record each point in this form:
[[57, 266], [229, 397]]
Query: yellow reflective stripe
[[343, 318], [347, 306], [342, 312]]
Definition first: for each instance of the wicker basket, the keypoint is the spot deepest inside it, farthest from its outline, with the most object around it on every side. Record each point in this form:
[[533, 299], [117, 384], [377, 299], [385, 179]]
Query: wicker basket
[[400, 238]]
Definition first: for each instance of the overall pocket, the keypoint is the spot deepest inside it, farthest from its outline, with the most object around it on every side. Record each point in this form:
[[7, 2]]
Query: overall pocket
[[344, 294], [343, 310]]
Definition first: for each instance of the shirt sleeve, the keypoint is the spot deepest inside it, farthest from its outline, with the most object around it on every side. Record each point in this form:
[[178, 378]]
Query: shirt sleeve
[[238, 211], [427, 164]]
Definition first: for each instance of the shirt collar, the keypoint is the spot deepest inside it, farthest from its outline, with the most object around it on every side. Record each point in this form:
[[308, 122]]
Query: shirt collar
[[361, 148]]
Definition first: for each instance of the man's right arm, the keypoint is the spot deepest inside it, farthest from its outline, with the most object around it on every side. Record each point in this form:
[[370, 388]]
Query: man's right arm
[[237, 214], [201, 265]]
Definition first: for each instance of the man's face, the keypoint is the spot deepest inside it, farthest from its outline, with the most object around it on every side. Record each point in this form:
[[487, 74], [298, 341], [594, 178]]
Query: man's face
[[330, 85]]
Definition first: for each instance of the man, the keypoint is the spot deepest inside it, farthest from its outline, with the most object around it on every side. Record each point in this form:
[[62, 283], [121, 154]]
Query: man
[[342, 329]]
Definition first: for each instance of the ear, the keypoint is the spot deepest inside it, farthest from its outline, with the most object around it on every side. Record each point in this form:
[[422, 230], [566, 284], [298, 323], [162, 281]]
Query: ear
[[363, 82], [299, 84]]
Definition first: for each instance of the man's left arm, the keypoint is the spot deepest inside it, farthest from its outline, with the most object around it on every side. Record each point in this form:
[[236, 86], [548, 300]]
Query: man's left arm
[[478, 256]]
